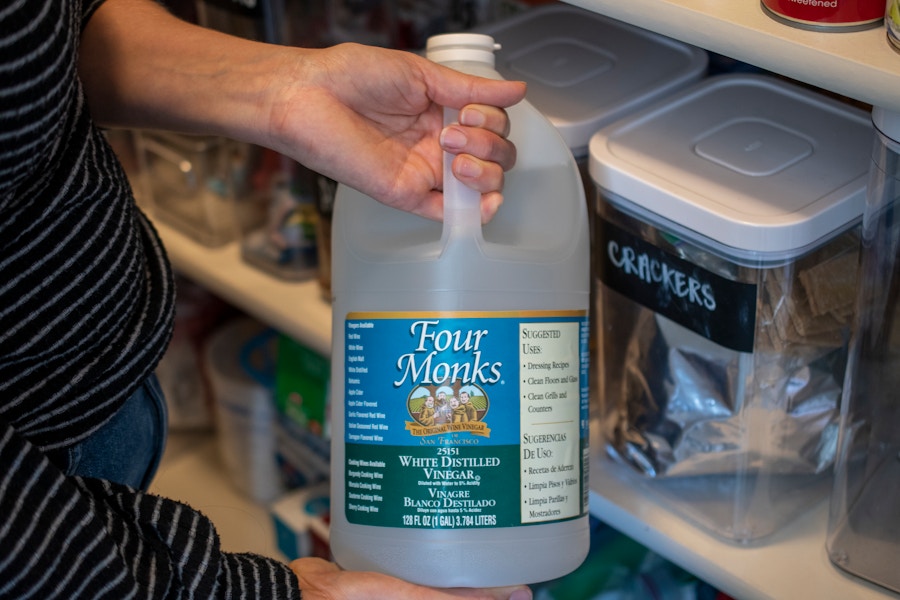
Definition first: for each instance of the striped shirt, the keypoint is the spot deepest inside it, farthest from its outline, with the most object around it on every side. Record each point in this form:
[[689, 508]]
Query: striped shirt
[[86, 312]]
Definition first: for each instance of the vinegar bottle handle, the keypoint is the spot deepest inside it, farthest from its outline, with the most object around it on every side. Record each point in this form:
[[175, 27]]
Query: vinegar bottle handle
[[462, 204]]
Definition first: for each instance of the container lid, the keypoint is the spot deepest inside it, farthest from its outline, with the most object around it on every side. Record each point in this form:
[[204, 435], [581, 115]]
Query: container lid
[[585, 70], [762, 168]]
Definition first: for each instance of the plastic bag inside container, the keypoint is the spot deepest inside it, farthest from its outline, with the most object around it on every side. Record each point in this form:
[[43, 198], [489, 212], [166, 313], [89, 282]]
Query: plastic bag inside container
[[676, 403]]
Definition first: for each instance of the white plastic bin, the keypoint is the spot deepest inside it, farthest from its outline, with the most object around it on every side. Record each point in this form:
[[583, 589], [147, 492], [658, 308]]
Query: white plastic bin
[[727, 244], [240, 359]]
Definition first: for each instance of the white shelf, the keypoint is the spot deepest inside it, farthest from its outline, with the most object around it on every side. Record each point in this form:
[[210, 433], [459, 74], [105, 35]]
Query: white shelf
[[793, 563], [294, 308], [859, 65]]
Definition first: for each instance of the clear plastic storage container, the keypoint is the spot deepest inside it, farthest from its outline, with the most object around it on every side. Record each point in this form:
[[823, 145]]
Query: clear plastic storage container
[[585, 70], [864, 528], [191, 183], [727, 246], [285, 245]]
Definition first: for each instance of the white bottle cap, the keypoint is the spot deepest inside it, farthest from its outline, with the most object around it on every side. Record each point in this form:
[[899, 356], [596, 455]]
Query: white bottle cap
[[468, 47]]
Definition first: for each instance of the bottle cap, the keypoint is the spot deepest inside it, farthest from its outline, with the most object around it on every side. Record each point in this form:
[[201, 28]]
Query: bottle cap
[[468, 47]]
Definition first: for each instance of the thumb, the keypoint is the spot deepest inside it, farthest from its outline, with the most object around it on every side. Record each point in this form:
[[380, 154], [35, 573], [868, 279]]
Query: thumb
[[455, 89]]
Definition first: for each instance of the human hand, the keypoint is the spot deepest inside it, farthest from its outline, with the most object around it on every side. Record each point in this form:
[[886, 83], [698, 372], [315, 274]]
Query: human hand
[[368, 117], [323, 580], [372, 118]]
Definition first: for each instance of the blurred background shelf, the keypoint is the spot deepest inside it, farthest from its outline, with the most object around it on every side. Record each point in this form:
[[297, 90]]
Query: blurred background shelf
[[296, 309], [791, 564]]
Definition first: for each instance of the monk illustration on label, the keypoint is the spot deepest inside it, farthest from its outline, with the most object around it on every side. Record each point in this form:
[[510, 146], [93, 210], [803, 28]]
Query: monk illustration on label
[[435, 409]]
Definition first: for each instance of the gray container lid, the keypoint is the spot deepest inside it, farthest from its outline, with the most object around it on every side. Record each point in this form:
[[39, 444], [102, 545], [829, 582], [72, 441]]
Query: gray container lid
[[756, 167], [585, 70]]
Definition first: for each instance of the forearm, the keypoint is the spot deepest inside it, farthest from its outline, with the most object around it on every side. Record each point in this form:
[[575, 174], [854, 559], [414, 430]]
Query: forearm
[[368, 117], [144, 68]]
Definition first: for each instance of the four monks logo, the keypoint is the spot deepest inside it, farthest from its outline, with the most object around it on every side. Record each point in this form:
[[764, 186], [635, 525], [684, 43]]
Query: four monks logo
[[448, 409]]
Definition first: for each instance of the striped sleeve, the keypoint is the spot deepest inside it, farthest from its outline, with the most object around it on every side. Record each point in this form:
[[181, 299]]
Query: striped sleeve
[[86, 292], [63, 537]]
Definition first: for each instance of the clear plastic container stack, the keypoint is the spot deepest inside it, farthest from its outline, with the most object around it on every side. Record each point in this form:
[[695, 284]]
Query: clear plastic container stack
[[192, 183], [864, 525], [585, 70]]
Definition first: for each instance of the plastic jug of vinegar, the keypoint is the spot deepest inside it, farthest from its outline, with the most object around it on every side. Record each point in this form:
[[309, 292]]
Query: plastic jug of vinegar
[[459, 381]]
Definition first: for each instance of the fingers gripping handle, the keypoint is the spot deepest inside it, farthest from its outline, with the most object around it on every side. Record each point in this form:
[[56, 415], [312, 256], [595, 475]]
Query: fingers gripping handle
[[462, 204]]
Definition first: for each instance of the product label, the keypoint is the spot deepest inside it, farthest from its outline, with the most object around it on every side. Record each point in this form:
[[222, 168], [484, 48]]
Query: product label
[[465, 419], [710, 305], [828, 12]]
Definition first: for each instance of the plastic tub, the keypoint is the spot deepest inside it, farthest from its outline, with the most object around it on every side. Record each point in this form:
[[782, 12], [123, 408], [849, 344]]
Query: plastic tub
[[241, 365], [727, 243], [191, 183], [585, 70], [864, 524]]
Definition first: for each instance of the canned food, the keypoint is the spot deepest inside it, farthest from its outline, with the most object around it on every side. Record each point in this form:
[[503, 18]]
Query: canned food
[[827, 15], [892, 22]]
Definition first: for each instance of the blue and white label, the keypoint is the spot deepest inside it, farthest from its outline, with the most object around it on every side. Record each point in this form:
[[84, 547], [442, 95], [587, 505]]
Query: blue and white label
[[447, 415]]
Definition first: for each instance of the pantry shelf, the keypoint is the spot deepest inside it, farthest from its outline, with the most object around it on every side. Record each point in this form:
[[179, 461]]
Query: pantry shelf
[[860, 65], [792, 564], [296, 309]]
